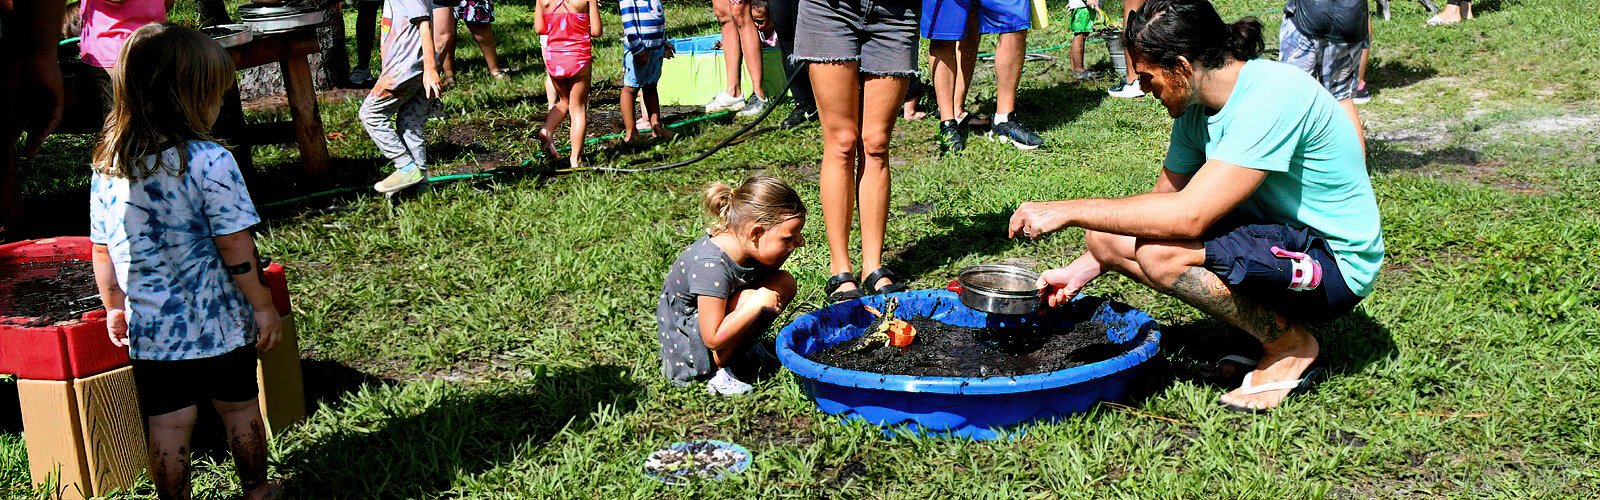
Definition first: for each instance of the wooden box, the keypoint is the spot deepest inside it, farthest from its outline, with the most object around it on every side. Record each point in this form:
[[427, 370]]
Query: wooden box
[[84, 436]]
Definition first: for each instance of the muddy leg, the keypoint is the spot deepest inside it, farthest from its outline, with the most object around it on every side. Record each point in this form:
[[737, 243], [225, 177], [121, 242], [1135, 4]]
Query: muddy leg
[[247, 439], [169, 452]]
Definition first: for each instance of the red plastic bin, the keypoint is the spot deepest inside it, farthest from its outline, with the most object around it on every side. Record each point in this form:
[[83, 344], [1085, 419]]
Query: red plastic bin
[[65, 351]]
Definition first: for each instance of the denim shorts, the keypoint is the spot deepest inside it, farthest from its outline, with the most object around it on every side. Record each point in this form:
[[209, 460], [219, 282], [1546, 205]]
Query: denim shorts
[[880, 34], [947, 19], [1332, 63], [1269, 263], [641, 74]]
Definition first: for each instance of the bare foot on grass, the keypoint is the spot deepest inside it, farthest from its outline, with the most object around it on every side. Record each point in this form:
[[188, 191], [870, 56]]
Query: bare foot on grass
[[661, 132]]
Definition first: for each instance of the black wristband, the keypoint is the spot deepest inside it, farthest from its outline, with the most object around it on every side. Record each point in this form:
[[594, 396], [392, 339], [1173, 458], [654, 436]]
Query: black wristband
[[240, 269]]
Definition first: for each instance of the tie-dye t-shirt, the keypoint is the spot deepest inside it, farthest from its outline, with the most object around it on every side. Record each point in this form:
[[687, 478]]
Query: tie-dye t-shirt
[[182, 303]]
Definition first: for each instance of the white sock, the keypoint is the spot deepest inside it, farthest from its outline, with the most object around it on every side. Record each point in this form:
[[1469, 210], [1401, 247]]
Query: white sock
[[1000, 118]]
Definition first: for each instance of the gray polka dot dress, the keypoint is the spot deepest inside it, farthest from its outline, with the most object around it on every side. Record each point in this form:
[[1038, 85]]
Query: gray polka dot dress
[[702, 269]]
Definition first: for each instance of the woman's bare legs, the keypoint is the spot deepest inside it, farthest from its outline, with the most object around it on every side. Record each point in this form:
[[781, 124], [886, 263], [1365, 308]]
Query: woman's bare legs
[[483, 33], [838, 94], [749, 46], [880, 104], [728, 14]]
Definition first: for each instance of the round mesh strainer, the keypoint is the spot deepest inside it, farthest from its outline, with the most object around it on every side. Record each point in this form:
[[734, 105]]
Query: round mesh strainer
[[999, 278]]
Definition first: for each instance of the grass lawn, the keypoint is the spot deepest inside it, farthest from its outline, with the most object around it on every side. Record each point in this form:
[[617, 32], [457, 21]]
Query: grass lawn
[[494, 338]]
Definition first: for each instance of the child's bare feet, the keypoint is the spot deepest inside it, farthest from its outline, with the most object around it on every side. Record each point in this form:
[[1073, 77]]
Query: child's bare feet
[[661, 132], [268, 491], [547, 145], [911, 114]]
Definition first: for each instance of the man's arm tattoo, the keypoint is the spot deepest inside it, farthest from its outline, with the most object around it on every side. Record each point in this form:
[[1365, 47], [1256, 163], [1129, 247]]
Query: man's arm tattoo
[[1206, 292]]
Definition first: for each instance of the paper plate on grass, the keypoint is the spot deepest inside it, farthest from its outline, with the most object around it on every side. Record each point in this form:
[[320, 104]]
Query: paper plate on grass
[[686, 460]]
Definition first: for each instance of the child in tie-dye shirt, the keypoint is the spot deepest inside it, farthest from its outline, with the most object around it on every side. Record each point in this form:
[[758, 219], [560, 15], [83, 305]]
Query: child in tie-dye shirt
[[174, 258]]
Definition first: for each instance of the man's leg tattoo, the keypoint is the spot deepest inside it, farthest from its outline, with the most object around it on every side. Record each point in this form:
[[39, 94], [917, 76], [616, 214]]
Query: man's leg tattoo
[[1206, 292]]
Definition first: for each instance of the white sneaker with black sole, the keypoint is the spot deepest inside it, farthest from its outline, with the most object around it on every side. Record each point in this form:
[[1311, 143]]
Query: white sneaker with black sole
[[724, 102]]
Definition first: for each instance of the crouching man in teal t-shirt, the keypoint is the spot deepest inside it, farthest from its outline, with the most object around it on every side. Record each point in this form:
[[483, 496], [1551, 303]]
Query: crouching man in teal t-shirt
[[1263, 215]]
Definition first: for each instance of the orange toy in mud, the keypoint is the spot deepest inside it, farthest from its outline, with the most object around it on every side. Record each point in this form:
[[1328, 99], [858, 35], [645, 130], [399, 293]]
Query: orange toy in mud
[[888, 330]]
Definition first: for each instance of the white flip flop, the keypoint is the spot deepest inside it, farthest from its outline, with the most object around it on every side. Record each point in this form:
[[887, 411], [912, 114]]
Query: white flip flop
[[1306, 381]]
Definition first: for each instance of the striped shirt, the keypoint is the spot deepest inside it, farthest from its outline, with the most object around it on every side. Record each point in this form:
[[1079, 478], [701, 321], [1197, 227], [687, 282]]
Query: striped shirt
[[644, 24]]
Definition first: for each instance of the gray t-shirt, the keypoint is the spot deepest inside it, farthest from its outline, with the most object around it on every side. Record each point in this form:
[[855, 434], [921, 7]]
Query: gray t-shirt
[[702, 269], [402, 41], [1340, 21]]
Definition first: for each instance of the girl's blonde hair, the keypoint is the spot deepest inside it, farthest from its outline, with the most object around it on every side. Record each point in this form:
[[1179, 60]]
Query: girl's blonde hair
[[165, 85], [762, 199]]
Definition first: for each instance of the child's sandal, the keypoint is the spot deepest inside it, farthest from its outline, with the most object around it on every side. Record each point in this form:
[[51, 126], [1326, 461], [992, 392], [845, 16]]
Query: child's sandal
[[838, 280]]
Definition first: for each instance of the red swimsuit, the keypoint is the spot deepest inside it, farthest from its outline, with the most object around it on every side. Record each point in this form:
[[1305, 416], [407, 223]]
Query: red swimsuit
[[567, 50]]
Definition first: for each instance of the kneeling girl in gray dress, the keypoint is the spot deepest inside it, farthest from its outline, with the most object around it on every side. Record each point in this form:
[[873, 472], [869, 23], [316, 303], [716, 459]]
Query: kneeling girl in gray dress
[[727, 287]]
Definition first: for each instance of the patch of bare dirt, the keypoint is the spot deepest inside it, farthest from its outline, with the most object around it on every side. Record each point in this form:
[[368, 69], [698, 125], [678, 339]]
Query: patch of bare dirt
[[1564, 124], [279, 102]]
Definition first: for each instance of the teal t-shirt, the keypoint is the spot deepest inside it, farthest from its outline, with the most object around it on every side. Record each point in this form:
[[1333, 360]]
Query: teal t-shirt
[[1280, 120]]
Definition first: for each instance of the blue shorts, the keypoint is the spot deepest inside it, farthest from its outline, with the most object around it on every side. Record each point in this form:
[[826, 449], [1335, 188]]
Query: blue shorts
[[947, 19], [645, 73], [1259, 261]]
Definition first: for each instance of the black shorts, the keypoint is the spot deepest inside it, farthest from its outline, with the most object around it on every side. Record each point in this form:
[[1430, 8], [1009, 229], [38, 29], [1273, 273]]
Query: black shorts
[[1242, 253], [168, 386]]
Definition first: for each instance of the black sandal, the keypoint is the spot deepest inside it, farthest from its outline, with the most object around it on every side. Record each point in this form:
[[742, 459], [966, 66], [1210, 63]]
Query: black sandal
[[838, 280], [882, 273]]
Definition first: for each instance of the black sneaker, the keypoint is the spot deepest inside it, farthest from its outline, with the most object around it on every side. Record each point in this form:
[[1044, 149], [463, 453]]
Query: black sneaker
[[1013, 132], [952, 139], [801, 114]]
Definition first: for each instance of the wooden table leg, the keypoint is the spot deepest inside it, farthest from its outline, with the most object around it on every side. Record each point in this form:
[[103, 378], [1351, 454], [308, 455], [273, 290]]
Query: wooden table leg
[[307, 122], [230, 126]]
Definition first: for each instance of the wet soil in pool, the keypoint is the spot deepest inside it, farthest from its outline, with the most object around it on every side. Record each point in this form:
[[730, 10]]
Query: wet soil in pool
[[47, 292], [943, 350]]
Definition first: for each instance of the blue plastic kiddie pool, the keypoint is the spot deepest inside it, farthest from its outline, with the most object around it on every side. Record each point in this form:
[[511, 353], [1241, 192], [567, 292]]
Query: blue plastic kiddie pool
[[967, 407]]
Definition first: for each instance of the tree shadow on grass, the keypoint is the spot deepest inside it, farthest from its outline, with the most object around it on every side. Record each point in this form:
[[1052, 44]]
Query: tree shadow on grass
[[1384, 157], [1389, 74], [393, 452], [983, 234], [1190, 352], [1044, 109]]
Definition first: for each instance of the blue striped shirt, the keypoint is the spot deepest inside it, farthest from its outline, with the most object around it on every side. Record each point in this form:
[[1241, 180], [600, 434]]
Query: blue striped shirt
[[644, 24]]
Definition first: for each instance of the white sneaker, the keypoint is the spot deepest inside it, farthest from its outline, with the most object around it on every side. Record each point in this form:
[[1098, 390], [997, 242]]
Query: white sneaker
[[723, 384], [642, 124], [1127, 90], [724, 102]]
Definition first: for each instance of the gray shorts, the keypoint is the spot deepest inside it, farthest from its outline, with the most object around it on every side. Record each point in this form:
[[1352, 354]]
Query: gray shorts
[[1332, 63], [880, 34]]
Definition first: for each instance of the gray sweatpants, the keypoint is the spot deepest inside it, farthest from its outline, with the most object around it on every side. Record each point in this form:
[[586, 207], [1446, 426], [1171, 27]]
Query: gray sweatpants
[[409, 109]]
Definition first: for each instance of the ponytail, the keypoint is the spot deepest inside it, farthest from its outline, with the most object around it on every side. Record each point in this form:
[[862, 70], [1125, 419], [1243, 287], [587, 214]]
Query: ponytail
[[761, 199], [1244, 40], [718, 197]]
